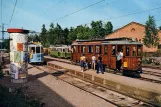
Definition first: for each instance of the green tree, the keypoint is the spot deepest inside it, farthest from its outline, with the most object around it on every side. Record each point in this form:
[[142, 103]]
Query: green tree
[[6, 44], [160, 28], [44, 37], [58, 35], [51, 35], [65, 34], [151, 38], [108, 28], [97, 28], [72, 35], [83, 32]]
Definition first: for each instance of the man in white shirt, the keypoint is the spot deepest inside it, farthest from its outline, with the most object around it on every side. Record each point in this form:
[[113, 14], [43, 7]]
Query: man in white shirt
[[93, 61]]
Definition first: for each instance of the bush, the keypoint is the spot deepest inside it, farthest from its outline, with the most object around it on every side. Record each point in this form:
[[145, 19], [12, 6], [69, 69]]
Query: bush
[[147, 61], [157, 53]]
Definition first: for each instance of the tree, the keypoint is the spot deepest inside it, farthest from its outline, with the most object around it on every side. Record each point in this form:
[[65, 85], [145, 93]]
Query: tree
[[72, 35], [51, 35], [44, 37], [58, 35], [83, 32], [65, 34], [5, 44], [151, 38], [108, 28], [160, 28], [97, 28]]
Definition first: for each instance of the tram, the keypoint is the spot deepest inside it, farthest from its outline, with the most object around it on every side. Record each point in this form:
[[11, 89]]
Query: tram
[[132, 49], [36, 53], [63, 51]]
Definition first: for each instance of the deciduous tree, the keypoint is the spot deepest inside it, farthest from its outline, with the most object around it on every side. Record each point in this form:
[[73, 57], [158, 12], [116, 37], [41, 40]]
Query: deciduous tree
[[151, 38]]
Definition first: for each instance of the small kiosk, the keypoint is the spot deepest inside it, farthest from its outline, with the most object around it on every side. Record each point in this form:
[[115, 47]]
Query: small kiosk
[[18, 55]]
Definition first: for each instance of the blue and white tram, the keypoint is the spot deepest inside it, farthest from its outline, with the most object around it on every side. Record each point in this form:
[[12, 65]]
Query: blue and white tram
[[36, 53]]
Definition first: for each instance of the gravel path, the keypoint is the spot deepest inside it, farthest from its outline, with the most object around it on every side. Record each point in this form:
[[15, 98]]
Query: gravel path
[[57, 93]]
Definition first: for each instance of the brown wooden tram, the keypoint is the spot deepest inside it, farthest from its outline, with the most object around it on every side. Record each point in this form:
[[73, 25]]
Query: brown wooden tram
[[108, 48]]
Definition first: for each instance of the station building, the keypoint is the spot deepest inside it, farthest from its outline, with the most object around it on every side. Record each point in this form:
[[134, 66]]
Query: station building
[[136, 31]]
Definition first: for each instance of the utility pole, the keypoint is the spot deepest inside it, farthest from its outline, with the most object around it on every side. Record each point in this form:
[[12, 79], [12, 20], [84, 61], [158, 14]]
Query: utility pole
[[2, 41]]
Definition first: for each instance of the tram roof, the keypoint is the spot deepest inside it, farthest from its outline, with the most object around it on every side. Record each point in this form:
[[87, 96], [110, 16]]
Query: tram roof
[[108, 41], [125, 42]]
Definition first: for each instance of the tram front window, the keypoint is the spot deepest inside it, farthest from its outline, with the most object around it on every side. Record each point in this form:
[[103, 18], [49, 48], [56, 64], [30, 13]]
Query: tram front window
[[32, 49], [37, 49]]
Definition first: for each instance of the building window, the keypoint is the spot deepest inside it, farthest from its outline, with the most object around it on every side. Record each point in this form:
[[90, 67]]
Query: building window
[[90, 49], [133, 30], [98, 49], [113, 50]]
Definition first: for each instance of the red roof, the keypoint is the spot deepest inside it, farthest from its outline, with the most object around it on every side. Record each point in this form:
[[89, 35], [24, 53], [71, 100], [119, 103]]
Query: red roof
[[16, 30]]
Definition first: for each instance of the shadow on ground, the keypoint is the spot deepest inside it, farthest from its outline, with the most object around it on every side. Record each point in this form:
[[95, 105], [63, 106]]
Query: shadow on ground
[[39, 90]]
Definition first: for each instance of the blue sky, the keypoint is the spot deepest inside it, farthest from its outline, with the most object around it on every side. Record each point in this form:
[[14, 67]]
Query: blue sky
[[31, 14]]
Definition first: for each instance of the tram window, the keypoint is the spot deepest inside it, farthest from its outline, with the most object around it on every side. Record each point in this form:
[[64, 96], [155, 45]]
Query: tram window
[[113, 50], [127, 51], [74, 48], [90, 49], [134, 51], [37, 49], [139, 50], [119, 48], [59, 50], [98, 49], [83, 49], [33, 49], [105, 50]]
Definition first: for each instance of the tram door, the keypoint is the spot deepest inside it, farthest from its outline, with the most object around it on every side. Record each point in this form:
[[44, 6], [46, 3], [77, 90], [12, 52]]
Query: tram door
[[114, 50]]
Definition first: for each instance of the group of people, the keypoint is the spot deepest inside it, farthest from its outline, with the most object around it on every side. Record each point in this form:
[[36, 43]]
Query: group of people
[[96, 63]]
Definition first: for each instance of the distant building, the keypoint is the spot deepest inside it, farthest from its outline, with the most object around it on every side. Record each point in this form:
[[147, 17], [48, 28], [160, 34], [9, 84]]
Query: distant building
[[134, 30]]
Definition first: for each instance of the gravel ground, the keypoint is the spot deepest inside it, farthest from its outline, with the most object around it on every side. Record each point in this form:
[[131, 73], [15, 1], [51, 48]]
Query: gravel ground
[[56, 93]]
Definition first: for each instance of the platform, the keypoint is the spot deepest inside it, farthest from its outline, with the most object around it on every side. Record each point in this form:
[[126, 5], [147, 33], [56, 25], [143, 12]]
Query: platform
[[49, 58], [143, 90]]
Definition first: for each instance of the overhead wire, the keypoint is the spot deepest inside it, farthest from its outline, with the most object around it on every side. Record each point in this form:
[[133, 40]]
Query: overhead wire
[[78, 10], [54, 5], [129, 14], [12, 13]]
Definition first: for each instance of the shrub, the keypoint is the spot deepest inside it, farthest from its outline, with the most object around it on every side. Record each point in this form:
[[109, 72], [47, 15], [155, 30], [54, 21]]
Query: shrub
[[157, 53]]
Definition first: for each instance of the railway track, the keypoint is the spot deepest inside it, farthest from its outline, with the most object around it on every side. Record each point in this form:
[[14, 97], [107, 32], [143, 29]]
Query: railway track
[[152, 73], [101, 92], [142, 78]]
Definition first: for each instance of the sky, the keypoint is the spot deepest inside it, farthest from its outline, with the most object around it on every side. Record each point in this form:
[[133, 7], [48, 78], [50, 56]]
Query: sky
[[31, 14]]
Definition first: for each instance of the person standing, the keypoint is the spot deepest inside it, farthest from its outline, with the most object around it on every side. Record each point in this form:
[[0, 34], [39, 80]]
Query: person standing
[[93, 61], [121, 53], [118, 61], [99, 64], [82, 62]]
